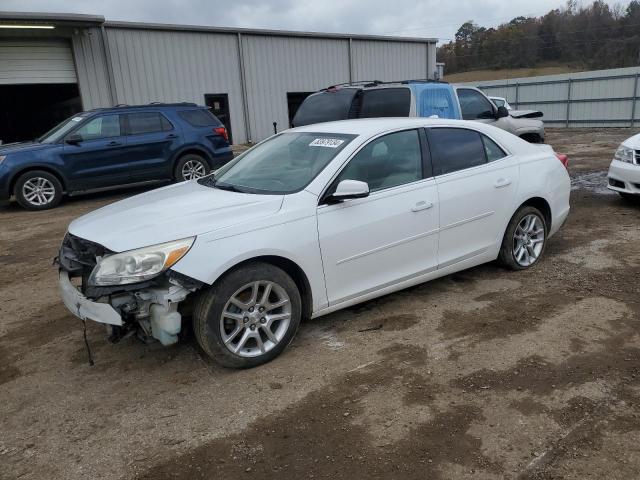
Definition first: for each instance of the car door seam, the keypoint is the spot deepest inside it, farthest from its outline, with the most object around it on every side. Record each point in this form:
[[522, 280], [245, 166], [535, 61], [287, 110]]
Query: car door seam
[[388, 245]]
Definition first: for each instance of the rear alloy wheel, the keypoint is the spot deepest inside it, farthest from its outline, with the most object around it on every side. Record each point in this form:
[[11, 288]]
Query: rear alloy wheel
[[525, 239], [191, 167], [248, 317], [38, 190]]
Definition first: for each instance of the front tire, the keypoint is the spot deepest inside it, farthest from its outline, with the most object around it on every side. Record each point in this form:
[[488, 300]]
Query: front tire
[[38, 190], [630, 197], [191, 167], [248, 317], [525, 239]]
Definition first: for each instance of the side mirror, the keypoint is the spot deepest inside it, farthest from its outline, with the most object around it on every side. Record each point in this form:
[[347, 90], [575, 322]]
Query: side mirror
[[73, 139], [502, 112], [348, 189]]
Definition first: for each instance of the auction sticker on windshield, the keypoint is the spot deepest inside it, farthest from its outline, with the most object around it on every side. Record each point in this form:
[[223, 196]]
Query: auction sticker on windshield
[[326, 142]]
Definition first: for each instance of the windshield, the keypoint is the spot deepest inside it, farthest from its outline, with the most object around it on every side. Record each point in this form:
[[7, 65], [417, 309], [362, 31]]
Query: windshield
[[60, 130], [283, 164]]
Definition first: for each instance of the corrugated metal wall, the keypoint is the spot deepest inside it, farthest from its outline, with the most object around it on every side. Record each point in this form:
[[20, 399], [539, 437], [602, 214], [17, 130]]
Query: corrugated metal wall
[[585, 99], [24, 61], [277, 65], [373, 60], [93, 79], [177, 65]]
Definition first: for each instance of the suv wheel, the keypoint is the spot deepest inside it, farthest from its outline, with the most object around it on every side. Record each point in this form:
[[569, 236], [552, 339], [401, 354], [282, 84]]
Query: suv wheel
[[38, 190], [248, 317], [525, 239], [191, 167]]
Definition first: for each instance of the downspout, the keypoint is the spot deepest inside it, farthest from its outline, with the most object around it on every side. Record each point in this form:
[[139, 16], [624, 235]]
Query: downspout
[[107, 58], [243, 89]]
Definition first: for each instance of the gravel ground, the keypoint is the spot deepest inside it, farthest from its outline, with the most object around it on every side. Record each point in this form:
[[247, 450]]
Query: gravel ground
[[482, 374]]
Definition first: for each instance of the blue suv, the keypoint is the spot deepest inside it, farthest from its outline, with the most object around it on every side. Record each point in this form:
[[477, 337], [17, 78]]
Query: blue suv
[[112, 147]]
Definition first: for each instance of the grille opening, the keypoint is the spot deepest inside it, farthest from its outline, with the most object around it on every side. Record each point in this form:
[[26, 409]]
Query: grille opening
[[616, 183]]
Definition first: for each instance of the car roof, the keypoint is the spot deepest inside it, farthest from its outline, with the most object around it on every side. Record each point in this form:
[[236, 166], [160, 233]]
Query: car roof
[[372, 126]]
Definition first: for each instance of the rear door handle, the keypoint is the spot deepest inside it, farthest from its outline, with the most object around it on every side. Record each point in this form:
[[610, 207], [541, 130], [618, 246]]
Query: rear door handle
[[423, 205], [502, 182], [114, 144]]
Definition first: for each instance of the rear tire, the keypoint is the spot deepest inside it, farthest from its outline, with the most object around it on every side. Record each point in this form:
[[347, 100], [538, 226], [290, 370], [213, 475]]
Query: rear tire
[[38, 190], [241, 329], [525, 239], [191, 167]]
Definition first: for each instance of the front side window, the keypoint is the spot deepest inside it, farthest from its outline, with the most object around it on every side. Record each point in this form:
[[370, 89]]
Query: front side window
[[386, 102], [474, 105], [147, 122], [105, 126], [499, 102], [283, 164], [456, 149], [386, 162]]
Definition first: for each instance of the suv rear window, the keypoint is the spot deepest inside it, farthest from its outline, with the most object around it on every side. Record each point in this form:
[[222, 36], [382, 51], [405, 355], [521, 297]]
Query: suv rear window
[[326, 106], [199, 118], [386, 102]]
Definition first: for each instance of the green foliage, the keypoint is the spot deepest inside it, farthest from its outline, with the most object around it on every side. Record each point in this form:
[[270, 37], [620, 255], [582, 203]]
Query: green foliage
[[594, 36]]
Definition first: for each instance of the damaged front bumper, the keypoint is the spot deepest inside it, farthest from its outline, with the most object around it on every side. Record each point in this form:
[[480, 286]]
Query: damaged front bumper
[[150, 309]]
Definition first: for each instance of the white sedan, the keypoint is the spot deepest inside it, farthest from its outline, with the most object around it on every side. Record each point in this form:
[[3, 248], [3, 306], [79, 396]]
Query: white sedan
[[624, 171], [310, 221]]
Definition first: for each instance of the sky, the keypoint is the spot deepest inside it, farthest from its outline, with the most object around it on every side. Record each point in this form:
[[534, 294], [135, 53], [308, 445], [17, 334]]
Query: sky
[[412, 18]]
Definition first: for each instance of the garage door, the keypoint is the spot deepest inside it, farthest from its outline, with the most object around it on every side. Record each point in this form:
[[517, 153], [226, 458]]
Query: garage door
[[36, 61]]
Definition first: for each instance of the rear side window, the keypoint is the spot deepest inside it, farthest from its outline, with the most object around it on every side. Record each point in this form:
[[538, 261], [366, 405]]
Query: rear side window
[[199, 118], [147, 122], [493, 151], [474, 104], [325, 106], [386, 102], [456, 149]]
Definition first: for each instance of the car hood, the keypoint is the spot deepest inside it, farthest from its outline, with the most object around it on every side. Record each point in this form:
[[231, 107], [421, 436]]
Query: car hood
[[632, 142], [526, 113], [171, 213], [21, 147]]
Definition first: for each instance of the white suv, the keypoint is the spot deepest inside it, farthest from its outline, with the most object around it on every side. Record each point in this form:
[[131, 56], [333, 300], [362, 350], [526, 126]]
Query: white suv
[[310, 221]]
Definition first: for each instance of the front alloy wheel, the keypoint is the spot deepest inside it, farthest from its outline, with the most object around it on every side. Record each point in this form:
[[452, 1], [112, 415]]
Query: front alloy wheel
[[249, 316], [255, 319], [38, 190]]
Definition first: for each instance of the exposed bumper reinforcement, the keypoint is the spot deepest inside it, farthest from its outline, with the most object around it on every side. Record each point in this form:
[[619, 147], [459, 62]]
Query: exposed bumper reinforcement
[[84, 308]]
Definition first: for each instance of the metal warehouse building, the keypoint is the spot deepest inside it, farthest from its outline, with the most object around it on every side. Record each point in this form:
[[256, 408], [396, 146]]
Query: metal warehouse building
[[54, 65]]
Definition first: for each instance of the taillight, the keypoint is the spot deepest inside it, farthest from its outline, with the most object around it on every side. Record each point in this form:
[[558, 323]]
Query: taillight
[[222, 132], [563, 159]]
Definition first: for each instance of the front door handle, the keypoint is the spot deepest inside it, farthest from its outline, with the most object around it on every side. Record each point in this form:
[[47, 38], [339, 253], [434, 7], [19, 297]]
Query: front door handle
[[423, 205], [502, 182], [114, 143], [172, 135]]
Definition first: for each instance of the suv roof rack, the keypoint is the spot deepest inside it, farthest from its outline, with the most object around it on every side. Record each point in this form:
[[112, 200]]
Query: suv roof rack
[[156, 104], [375, 83]]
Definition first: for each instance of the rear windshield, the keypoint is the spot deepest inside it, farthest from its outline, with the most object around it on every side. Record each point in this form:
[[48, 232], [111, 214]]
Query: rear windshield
[[199, 118], [386, 102], [325, 107]]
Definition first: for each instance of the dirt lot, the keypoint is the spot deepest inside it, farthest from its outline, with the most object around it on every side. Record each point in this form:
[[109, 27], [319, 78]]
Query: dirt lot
[[482, 374]]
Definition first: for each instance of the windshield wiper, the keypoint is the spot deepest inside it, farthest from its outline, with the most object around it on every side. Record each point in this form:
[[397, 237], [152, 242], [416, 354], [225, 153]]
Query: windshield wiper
[[227, 187]]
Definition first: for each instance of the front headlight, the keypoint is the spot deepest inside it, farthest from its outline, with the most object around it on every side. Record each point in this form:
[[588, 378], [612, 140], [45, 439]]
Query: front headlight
[[624, 154], [139, 265]]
